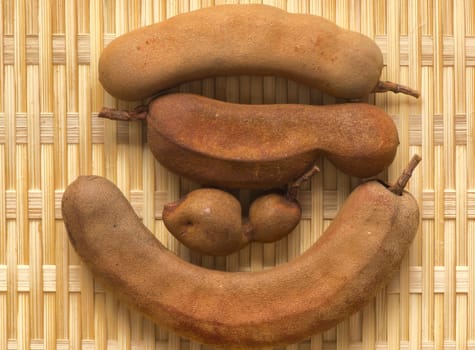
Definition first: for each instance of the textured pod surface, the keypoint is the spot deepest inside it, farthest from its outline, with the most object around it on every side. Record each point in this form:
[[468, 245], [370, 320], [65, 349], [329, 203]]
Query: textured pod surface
[[266, 146], [332, 279], [240, 39], [273, 216], [207, 220]]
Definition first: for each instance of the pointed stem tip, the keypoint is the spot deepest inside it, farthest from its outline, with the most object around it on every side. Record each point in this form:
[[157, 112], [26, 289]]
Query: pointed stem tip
[[294, 187], [401, 182], [385, 86], [138, 113]]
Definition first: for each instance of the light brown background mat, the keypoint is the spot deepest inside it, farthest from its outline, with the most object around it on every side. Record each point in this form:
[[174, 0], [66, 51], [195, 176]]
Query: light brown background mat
[[50, 133]]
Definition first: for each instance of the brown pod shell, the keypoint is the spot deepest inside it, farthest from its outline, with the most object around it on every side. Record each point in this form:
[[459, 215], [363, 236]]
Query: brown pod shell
[[241, 39], [232, 145], [273, 216], [334, 278], [207, 221]]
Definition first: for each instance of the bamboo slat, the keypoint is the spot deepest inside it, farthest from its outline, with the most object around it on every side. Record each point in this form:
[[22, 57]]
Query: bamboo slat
[[50, 133]]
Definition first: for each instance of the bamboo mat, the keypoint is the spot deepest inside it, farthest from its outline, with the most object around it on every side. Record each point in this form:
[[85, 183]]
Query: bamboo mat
[[50, 133]]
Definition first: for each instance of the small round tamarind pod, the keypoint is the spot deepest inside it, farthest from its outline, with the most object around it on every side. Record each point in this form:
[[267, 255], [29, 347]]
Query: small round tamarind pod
[[355, 257], [243, 39], [267, 219], [207, 221]]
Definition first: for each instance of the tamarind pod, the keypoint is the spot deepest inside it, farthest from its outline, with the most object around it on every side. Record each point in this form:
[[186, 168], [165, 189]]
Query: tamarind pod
[[243, 39], [309, 294], [266, 146]]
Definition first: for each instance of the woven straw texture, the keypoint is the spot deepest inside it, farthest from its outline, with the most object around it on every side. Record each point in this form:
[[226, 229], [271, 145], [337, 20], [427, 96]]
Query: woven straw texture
[[50, 134]]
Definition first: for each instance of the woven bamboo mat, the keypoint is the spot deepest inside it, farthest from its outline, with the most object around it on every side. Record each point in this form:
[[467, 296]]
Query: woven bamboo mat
[[50, 133]]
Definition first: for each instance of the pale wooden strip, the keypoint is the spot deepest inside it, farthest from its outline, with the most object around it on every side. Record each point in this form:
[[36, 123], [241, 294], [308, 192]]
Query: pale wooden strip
[[470, 164], [3, 278], [35, 280], [100, 322], [97, 129], [471, 280], [3, 138], [12, 278], [439, 321], [75, 322], [48, 203], [427, 127], [3, 322], [72, 128], [62, 344], [98, 167], [439, 206], [135, 330], [438, 57], [37, 344], [3, 210], [381, 316], [59, 128], [149, 336], [342, 334], [20, 56], [135, 155], [49, 341], [427, 279], [449, 111], [427, 204], [459, 56], [10, 147], [22, 203], [461, 206], [438, 126], [84, 120], [470, 94], [414, 322], [460, 128], [415, 129], [71, 56], [87, 303], [49, 278], [12, 344], [123, 328], [96, 35], [450, 201], [368, 336], [61, 280], [45, 54], [2, 25], [23, 334], [21, 128], [393, 319], [461, 326], [450, 292]]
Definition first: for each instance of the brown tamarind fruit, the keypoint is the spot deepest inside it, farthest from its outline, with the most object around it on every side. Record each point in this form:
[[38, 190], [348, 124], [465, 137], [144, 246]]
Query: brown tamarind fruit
[[243, 39], [208, 220], [231, 145], [334, 278]]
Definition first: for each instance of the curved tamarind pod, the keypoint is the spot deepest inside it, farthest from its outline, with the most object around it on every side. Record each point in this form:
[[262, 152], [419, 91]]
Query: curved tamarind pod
[[309, 294], [243, 39], [231, 145]]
